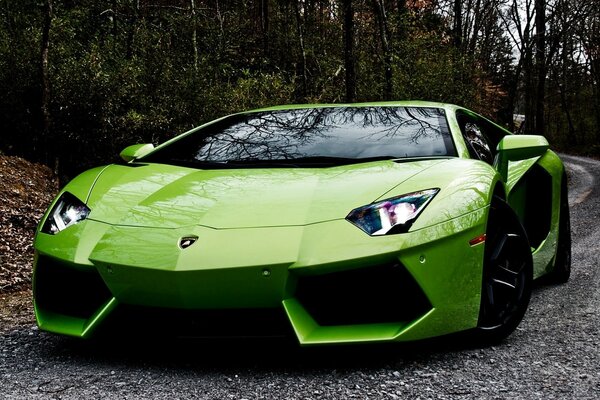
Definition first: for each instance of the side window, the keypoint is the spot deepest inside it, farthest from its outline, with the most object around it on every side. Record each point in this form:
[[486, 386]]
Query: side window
[[479, 146], [478, 143]]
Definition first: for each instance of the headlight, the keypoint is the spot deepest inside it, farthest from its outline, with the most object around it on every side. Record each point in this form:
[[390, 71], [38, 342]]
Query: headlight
[[390, 216], [67, 211]]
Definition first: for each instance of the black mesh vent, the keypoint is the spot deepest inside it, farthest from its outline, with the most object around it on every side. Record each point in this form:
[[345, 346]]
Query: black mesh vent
[[156, 321], [379, 294], [65, 290]]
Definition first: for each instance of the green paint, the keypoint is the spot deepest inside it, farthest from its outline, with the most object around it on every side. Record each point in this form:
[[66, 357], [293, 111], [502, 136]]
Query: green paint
[[291, 222]]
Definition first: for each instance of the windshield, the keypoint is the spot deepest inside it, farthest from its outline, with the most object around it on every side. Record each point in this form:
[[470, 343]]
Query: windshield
[[311, 137]]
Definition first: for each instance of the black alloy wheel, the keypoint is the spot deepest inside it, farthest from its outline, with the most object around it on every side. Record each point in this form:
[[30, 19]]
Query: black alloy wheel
[[507, 275]]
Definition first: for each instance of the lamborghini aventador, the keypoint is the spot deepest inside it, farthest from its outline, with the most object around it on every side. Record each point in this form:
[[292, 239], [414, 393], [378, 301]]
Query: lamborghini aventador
[[345, 223]]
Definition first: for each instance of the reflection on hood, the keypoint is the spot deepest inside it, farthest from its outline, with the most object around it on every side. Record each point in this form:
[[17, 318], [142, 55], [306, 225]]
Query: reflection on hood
[[168, 196]]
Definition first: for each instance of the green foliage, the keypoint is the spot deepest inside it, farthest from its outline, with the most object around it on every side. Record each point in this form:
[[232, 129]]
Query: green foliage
[[20, 79]]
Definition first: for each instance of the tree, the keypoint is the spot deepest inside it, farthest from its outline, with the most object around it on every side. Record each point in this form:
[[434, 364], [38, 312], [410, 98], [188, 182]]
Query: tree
[[82, 79], [384, 34], [45, 103], [348, 13], [540, 64], [303, 67], [458, 25]]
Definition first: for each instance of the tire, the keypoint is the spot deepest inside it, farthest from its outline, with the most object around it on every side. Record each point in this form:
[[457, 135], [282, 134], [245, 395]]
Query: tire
[[507, 275], [562, 262]]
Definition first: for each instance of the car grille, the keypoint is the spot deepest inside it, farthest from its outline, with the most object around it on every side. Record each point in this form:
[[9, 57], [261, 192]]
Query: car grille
[[62, 289], [379, 294]]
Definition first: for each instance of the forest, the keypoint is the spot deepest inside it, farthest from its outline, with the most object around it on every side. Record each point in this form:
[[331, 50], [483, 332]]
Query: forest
[[81, 79]]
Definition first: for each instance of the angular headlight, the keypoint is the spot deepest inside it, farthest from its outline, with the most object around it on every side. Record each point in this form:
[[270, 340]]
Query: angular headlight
[[390, 216], [67, 211]]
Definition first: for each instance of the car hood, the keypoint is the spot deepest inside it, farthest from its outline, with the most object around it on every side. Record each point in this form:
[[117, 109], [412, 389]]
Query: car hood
[[166, 196]]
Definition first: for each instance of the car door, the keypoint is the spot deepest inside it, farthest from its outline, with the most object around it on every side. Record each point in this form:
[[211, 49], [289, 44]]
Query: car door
[[530, 188]]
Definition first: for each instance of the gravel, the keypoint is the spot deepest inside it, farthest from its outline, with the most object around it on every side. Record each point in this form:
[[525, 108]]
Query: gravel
[[554, 353]]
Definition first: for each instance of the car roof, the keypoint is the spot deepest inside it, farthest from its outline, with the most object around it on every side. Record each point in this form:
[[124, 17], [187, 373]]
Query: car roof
[[402, 103]]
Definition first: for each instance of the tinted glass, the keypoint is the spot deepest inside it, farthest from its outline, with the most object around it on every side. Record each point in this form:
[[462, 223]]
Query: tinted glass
[[479, 147], [330, 135]]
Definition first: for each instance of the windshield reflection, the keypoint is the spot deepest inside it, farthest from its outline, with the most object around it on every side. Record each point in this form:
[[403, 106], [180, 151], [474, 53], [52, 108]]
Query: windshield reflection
[[344, 133]]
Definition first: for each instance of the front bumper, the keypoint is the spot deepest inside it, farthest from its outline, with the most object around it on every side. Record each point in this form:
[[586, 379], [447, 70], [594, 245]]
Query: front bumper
[[334, 283]]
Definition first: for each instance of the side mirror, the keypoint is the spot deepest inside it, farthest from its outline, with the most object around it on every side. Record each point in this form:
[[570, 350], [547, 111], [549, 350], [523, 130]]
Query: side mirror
[[516, 148], [136, 151]]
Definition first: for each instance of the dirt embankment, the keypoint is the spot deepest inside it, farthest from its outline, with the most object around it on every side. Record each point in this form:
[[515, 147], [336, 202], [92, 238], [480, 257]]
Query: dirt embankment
[[26, 189]]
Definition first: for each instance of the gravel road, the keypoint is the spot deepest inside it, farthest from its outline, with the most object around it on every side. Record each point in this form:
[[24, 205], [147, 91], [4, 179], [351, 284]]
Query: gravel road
[[555, 352]]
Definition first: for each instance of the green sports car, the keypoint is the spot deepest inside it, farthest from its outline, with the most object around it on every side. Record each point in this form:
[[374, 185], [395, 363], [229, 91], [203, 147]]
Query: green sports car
[[350, 223]]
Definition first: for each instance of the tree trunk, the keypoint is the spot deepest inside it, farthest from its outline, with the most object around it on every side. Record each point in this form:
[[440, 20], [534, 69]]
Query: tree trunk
[[115, 26], [221, 19], [571, 138], [300, 30], [45, 104], [348, 12], [595, 70], [194, 33], [513, 91], [457, 31], [540, 62], [593, 39], [264, 25], [528, 85], [477, 18], [132, 29], [379, 7], [562, 82]]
